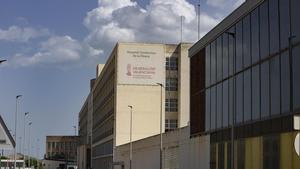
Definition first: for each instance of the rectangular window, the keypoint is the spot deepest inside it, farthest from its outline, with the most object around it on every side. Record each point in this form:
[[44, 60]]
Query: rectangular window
[[264, 30], [225, 103], [265, 90], [219, 59], [170, 124], [225, 56], [219, 105], [296, 77], [231, 101], [213, 108], [295, 13], [284, 23], [231, 51], [207, 65], [246, 41], [171, 63], [239, 46], [274, 26], [255, 93], [171, 105], [285, 82], [207, 110], [255, 35], [213, 63], [247, 95], [275, 85], [239, 98], [171, 84], [271, 152]]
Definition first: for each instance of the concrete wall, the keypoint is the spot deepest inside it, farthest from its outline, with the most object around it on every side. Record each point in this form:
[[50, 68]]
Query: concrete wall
[[184, 85], [180, 152], [81, 156], [146, 112]]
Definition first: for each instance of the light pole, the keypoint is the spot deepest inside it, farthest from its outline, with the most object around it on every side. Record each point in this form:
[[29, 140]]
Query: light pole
[[16, 116], [24, 138], [75, 130], [1, 61], [130, 139], [199, 20], [29, 157], [232, 34], [160, 133]]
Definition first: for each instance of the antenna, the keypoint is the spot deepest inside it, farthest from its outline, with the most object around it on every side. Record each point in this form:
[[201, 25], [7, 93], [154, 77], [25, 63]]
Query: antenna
[[181, 27], [199, 20]]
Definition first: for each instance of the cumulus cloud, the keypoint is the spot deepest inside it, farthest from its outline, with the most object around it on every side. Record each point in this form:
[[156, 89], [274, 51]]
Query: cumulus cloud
[[117, 21], [19, 34], [57, 50], [223, 3], [124, 20]]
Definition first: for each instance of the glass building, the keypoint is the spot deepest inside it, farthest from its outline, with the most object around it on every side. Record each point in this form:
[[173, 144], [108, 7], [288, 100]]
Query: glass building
[[245, 73]]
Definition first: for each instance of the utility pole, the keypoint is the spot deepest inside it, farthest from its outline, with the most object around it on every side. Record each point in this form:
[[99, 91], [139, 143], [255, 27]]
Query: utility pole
[[160, 133], [199, 21], [130, 139], [24, 139], [16, 119]]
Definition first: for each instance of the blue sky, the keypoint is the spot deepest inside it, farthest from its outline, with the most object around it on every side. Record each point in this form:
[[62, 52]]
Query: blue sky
[[52, 48]]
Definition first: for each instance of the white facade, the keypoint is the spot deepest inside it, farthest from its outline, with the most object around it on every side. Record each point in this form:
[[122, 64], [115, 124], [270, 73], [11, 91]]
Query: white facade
[[179, 152]]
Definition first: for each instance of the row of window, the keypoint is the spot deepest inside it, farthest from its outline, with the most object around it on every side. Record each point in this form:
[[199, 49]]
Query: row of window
[[171, 124], [62, 145], [171, 63], [171, 105], [263, 32], [255, 85], [171, 84], [267, 152]]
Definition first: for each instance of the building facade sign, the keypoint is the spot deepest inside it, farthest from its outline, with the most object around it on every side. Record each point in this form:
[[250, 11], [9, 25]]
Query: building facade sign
[[141, 64]]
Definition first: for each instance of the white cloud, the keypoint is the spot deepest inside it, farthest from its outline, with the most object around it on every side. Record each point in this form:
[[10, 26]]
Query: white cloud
[[225, 4], [18, 34], [124, 20], [57, 50]]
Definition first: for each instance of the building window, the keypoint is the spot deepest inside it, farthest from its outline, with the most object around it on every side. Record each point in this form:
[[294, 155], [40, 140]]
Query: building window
[[171, 124], [171, 105], [255, 35], [171, 84], [285, 82], [172, 63], [264, 30], [265, 90], [296, 78]]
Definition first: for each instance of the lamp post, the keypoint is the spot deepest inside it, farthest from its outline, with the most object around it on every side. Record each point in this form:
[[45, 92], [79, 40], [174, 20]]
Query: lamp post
[[130, 139], [232, 34], [1, 61], [24, 138], [75, 130], [199, 20], [29, 158], [16, 116], [160, 133]]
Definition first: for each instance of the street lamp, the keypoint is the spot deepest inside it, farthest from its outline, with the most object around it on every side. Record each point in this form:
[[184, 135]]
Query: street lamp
[[15, 153], [199, 20], [24, 140], [160, 133], [75, 130], [1, 61], [130, 139], [232, 34], [29, 158]]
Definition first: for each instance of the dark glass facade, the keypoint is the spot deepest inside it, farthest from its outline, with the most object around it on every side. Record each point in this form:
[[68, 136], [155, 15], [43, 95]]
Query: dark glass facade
[[252, 71], [247, 73]]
